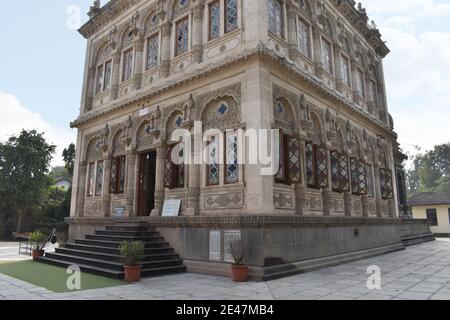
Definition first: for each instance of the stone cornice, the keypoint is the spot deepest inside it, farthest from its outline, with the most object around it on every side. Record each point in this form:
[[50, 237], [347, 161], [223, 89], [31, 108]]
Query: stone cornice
[[260, 51], [360, 22], [105, 15], [244, 221], [347, 8]]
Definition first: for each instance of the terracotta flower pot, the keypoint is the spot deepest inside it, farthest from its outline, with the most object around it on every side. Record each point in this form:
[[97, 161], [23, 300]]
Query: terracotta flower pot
[[37, 253], [132, 273], [239, 273]]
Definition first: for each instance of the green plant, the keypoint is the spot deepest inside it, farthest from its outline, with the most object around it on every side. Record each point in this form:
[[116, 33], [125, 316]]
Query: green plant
[[132, 252], [38, 240], [236, 250]]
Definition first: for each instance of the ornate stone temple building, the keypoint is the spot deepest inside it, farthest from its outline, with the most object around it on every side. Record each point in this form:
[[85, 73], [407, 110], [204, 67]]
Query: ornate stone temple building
[[311, 68]]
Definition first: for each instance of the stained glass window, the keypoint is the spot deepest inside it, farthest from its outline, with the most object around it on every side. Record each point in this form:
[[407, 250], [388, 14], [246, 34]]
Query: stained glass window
[[310, 165], [113, 179], [304, 38], [213, 168], [214, 20], [153, 52], [276, 17], [344, 173], [231, 15], [345, 71], [182, 34], [327, 56], [91, 181], [360, 83], [100, 78], [321, 166], [99, 179], [108, 75], [117, 181], [359, 177], [223, 109], [232, 158], [294, 160], [174, 173], [127, 71], [334, 159]]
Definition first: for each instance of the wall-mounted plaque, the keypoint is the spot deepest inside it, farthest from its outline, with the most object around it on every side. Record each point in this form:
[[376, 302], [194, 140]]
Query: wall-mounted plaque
[[229, 237], [119, 212], [215, 245], [171, 208]]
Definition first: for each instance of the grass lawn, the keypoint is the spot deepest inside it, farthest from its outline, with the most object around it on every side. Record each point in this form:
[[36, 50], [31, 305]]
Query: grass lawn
[[51, 277]]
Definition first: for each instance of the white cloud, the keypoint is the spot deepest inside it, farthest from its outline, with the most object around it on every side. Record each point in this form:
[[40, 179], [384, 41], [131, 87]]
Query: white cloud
[[416, 8], [14, 117]]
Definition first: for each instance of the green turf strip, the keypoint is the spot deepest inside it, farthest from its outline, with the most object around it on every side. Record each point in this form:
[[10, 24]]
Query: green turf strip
[[53, 278]]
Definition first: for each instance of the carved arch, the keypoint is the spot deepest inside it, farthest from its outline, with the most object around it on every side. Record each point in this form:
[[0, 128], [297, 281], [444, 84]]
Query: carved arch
[[93, 150], [287, 117], [213, 118]]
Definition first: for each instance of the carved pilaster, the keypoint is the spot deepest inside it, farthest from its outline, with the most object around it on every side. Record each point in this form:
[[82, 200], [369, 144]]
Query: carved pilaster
[[131, 183], [81, 188], [106, 187], [166, 30], [300, 198], [327, 202], [348, 204], [137, 78], [292, 31], [197, 32], [115, 75], [365, 205], [318, 65], [159, 182]]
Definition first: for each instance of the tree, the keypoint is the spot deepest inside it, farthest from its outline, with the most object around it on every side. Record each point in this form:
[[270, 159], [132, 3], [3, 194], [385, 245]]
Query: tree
[[69, 158], [24, 181], [431, 171]]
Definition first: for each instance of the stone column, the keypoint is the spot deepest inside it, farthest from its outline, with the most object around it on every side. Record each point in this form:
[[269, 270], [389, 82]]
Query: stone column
[[365, 205], [355, 82], [106, 187], [348, 204], [292, 31], [193, 207], [337, 66], [159, 183], [90, 90], [115, 75], [139, 49], [130, 191], [166, 30], [317, 50], [81, 188], [300, 188], [377, 186], [197, 32]]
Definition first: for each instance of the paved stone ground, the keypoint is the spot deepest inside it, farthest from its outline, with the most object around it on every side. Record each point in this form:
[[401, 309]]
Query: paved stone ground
[[420, 272]]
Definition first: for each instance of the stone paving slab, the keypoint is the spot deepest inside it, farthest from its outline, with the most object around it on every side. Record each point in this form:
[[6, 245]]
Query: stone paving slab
[[418, 273]]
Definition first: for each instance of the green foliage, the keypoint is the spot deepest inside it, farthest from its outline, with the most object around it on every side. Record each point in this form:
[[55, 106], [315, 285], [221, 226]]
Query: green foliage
[[132, 252], [24, 180], [69, 158], [38, 240], [236, 250], [431, 171]]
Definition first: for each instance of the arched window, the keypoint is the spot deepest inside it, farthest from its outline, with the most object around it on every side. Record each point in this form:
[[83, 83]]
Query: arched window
[[276, 18], [304, 38], [327, 46], [127, 56], [103, 70], [182, 36], [152, 32], [229, 14]]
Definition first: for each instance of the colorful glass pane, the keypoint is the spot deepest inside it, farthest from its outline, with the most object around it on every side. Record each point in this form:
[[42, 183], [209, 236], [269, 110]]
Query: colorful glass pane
[[214, 20], [99, 179], [182, 35], [321, 167], [232, 158], [310, 165], [327, 58], [153, 52], [213, 174], [231, 15], [127, 65], [294, 160], [91, 179], [304, 38]]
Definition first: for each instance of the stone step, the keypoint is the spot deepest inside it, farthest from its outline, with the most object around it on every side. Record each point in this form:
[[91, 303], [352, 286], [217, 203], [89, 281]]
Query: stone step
[[150, 272], [110, 250], [113, 256], [128, 228], [129, 233], [120, 238], [116, 244], [111, 265]]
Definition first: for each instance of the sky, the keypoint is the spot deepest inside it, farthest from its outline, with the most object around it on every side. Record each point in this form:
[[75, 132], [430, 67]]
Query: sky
[[42, 64]]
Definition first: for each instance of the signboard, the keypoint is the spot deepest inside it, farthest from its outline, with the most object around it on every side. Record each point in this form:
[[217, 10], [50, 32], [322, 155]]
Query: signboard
[[119, 212], [229, 237], [144, 112], [215, 241], [171, 208]]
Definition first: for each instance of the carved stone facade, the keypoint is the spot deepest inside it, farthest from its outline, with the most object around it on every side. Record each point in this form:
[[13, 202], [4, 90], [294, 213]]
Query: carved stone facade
[[153, 67]]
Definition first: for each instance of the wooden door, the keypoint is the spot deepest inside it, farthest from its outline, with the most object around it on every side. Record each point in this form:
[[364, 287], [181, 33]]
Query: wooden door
[[146, 183]]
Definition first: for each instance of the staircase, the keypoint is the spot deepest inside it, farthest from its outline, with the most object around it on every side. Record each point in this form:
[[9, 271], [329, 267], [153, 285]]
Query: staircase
[[99, 253]]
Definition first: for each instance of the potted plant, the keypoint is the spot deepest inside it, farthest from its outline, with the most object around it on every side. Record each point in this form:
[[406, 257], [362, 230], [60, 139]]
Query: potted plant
[[38, 241], [132, 253], [239, 270]]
